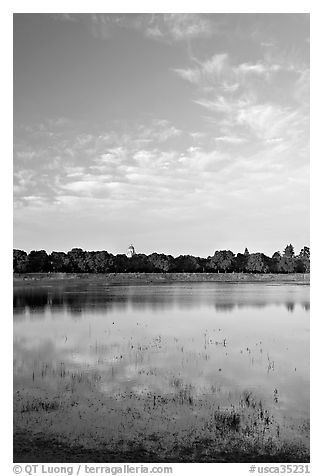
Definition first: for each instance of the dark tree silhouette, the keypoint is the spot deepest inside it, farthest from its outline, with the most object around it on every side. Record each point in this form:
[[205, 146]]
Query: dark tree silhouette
[[20, 261], [303, 260], [140, 263], [305, 252], [38, 262], [223, 261], [77, 260], [185, 264], [257, 263], [240, 262], [60, 262], [161, 263], [289, 251]]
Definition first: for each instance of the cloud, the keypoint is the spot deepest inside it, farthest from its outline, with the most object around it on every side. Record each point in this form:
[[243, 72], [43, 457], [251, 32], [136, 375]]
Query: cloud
[[230, 87], [153, 160], [262, 102], [206, 70], [219, 71], [113, 181], [231, 139], [96, 165], [220, 104], [101, 26], [183, 26], [268, 121], [154, 32], [301, 92], [257, 68], [68, 17], [161, 26], [262, 121], [216, 65], [191, 75], [159, 130]]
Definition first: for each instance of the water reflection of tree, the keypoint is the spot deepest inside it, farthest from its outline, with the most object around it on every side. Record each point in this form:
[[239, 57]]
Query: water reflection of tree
[[290, 306], [224, 306], [92, 298]]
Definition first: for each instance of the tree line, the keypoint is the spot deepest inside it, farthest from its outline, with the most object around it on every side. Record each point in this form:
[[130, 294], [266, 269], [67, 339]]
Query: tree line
[[223, 261]]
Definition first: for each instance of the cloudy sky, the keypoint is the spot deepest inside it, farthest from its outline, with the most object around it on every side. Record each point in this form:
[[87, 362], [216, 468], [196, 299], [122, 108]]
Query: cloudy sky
[[181, 133]]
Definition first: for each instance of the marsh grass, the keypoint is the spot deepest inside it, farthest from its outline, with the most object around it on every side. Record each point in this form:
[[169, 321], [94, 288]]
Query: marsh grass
[[178, 426]]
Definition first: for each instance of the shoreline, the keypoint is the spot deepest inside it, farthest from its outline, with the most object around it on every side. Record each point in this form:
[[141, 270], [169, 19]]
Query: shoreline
[[29, 448], [155, 278]]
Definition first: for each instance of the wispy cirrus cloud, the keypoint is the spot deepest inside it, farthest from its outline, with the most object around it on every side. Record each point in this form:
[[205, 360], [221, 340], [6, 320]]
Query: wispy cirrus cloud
[[243, 105], [221, 71], [230, 139], [209, 69], [163, 27], [181, 26], [265, 121]]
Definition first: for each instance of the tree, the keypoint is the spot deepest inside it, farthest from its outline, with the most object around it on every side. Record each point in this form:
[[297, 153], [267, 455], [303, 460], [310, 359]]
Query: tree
[[240, 262], [20, 261], [139, 263], [121, 263], [222, 261], [289, 251], [203, 264], [286, 264], [162, 263], [87, 265], [185, 264], [300, 266], [103, 262], [274, 262], [258, 263], [60, 262], [303, 260], [210, 266], [305, 252], [77, 260], [38, 262]]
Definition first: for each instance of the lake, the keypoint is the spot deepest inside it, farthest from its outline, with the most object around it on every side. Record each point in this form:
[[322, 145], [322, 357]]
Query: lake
[[179, 370]]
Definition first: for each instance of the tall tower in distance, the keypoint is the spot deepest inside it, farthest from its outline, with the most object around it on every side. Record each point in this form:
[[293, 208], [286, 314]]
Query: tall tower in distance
[[130, 251]]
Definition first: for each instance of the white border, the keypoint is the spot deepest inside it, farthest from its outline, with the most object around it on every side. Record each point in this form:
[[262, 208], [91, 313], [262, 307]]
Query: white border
[[274, 6]]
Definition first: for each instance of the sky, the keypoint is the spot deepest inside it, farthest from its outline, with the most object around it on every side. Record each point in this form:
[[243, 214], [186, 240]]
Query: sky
[[179, 133]]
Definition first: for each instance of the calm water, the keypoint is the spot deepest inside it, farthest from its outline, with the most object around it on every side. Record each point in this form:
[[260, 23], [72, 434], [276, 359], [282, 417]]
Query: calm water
[[219, 340]]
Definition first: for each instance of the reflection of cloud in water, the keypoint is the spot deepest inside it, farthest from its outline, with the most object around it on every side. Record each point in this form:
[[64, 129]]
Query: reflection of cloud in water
[[127, 339]]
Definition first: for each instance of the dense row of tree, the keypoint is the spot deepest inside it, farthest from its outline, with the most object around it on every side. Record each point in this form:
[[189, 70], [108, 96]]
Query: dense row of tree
[[79, 261]]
